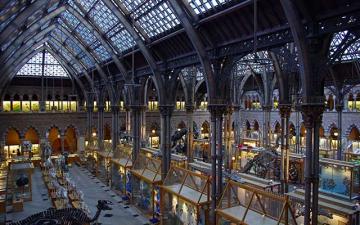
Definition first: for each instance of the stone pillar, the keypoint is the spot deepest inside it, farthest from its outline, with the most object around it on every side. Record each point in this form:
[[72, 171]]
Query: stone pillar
[[216, 112], [190, 133], [136, 129], [62, 141], [266, 126], [312, 116], [165, 137], [89, 125], [115, 128], [284, 111], [101, 127], [339, 109]]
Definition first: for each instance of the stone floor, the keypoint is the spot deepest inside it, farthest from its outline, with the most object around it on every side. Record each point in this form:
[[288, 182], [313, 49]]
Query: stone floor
[[93, 190]]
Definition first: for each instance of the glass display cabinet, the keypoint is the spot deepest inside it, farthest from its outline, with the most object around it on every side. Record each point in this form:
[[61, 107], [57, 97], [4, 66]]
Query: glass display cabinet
[[339, 178], [201, 150], [176, 159], [251, 138], [185, 198], [121, 165], [103, 166], [146, 178], [243, 204], [334, 211], [21, 170]]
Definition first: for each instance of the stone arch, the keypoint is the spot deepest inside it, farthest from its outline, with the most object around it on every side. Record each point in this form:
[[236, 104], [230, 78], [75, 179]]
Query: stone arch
[[15, 136], [276, 123], [32, 134], [70, 139], [107, 132], [181, 125], [205, 129], [352, 131], [329, 127], [53, 135], [256, 125]]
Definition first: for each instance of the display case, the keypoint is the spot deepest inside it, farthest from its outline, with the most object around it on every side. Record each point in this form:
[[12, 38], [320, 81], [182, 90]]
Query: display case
[[243, 204], [21, 171], [146, 178], [176, 159], [296, 169], [334, 211], [121, 176], [201, 150], [251, 138], [185, 198], [339, 178], [103, 166]]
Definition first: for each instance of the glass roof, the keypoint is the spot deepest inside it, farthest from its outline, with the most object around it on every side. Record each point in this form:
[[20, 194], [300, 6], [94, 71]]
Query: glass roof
[[351, 53], [35, 66], [153, 16], [202, 6], [259, 62]]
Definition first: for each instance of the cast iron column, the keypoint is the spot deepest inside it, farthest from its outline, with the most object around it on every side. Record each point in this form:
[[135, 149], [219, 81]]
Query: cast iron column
[[101, 127], [284, 111], [136, 129], [115, 128], [312, 115], [227, 137], [190, 134], [165, 137], [216, 112], [89, 125], [266, 127], [237, 134], [128, 119]]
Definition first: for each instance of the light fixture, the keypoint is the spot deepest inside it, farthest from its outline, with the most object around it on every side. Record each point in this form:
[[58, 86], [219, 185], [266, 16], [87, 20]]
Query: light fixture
[[58, 136], [178, 129], [93, 134], [153, 131], [233, 158], [336, 134]]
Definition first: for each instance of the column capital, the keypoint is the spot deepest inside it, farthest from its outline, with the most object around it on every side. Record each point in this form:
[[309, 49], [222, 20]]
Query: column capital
[[189, 108], [217, 110], [100, 108], [115, 108], [339, 107], [166, 110], [312, 113], [267, 107], [90, 108], [137, 107], [284, 110]]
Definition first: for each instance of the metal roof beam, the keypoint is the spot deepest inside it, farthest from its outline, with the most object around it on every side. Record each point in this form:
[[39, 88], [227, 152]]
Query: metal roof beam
[[29, 32]]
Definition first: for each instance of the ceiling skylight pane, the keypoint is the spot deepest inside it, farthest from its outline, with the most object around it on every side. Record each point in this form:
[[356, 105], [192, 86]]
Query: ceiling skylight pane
[[202, 6], [70, 19], [102, 53], [86, 4], [123, 40], [351, 53], [157, 20], [103, 16], [86, 34], [34, 67]]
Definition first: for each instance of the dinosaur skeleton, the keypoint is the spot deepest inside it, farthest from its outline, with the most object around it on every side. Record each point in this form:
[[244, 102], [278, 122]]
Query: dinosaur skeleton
[[67, 216]]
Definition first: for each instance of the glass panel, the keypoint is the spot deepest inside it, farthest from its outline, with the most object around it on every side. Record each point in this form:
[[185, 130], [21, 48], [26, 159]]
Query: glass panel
[[70, 19], [201, 6], [48, 105], [352, 52], [16, 106], [102, 53], [86, 4], [85, 34], [34, 66], [25, 106], [73, 106], [6, 106], [103, 16], [65, 106], [154, 16], [123, 40], [35, 106]]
